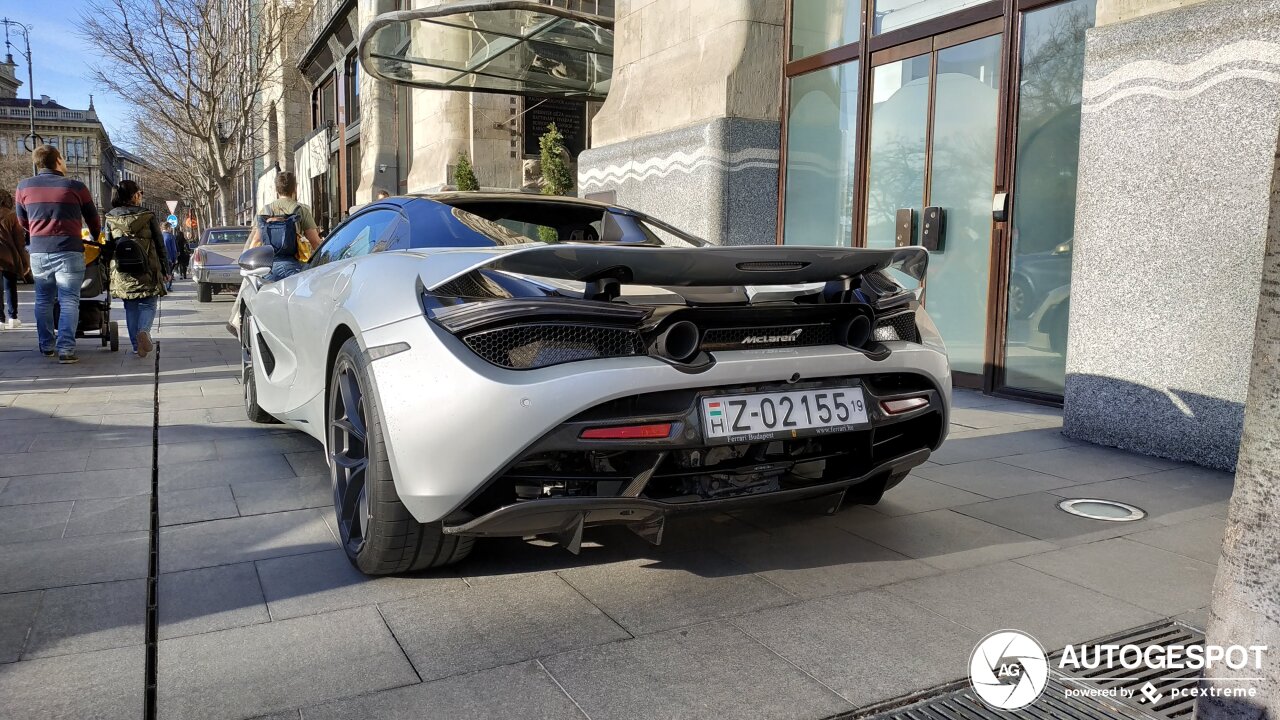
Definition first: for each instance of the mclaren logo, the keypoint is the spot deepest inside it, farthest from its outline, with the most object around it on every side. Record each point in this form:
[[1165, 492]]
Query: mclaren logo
[[766, 339]]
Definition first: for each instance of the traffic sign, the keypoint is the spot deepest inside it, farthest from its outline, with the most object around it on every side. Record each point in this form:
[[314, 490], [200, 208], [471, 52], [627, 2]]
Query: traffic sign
[[173, 206], [173, 219]]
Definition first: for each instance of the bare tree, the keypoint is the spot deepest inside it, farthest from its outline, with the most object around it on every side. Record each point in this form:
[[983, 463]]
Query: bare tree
[[194, 70], [1245, 609], [14, 167]]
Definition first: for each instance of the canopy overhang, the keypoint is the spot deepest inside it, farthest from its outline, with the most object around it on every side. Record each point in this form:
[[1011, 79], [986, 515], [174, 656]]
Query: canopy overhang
[[511, 47]]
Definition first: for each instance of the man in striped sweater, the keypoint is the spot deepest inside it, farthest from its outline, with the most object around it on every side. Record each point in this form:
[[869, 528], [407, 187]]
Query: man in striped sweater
[[52, 208]]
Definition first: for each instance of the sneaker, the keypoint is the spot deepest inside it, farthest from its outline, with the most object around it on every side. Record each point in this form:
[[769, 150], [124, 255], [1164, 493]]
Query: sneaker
[[47, 353], [69, 359], [14, 324], [144, 343]]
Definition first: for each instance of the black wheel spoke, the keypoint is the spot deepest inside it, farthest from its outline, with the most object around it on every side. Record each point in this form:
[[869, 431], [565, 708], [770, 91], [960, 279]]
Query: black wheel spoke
[[351, 401], [348, 456]]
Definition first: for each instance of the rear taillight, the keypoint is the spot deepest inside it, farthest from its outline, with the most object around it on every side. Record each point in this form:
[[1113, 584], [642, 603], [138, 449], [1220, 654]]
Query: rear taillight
[[198, 258], [628, 432]]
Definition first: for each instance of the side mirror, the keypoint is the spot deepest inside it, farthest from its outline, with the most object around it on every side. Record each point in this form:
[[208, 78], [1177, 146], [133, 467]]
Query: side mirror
[[256, 262]]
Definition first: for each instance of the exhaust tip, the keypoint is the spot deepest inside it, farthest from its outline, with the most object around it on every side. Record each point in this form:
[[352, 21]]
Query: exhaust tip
[[856, 331], [679, 341]]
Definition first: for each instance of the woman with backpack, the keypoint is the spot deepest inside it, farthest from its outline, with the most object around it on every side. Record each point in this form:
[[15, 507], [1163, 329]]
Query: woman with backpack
[[15, 263], [139, 265]]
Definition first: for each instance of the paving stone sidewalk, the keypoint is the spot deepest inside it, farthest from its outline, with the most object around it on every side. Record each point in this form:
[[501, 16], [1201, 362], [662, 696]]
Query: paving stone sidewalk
[[781, 612]]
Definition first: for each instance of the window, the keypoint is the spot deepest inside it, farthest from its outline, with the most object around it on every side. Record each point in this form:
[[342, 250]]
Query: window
[[1048, 153], [353, 171], [894, 14], [821, 151], [324, 104], [76, 150], [818, 25], [355, 237], [351, 71]]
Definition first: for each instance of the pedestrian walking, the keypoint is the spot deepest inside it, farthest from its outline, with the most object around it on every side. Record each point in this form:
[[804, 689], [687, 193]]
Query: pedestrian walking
[[52, 208], [14, 262], [288, 227], [184, 251], [170, 251], [139, 262]]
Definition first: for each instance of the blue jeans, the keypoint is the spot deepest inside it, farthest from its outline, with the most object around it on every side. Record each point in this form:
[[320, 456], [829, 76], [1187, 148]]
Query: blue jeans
[[9, 298], [281, 269], [138, 315], [58, 275]]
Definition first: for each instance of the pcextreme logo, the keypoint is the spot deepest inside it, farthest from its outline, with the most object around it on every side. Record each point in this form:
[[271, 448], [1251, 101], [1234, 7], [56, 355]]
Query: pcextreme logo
[[1008, 670]]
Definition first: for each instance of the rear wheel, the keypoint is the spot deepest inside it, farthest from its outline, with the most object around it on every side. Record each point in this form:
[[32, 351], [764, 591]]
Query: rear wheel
[[247, 381], [204, 292], [377, 531], [114, 328]]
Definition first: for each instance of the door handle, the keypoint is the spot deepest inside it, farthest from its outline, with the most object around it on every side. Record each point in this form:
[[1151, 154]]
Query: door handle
[[1000, 207]]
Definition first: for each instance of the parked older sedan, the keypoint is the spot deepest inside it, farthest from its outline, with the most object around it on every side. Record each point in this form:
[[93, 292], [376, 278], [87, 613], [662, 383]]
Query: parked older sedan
[[214, 265]]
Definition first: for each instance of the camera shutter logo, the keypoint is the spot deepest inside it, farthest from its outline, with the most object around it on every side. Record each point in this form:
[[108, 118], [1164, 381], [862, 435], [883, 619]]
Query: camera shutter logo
[[1008, 670]]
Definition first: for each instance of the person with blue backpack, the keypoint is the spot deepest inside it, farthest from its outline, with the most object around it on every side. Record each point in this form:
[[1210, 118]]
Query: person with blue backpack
[[288, 227]]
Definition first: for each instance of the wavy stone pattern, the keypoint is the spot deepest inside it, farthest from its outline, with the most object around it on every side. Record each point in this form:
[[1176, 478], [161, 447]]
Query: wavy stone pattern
[[1177, 153], [1242, 60], [717, 179]]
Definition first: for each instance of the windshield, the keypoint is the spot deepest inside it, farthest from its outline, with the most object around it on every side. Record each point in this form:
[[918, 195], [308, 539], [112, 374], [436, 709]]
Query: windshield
[[236, 236]]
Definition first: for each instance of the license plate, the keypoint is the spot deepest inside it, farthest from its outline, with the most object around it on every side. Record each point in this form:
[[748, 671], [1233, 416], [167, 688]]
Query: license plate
[[793, 413]]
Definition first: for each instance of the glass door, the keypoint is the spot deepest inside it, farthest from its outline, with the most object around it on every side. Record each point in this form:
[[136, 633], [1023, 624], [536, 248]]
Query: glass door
[[935, 111]]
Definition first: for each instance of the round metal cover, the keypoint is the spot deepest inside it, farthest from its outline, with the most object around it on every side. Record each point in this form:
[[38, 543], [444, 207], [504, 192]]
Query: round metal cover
[[1096, 509]]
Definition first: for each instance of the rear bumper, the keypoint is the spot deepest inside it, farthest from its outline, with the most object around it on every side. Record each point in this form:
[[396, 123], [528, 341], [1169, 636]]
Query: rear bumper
[[453, 422], [217, 274], [567, 515]]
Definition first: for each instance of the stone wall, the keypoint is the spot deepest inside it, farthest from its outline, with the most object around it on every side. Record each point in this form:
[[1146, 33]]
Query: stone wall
[[1178, 140], [689, 132]]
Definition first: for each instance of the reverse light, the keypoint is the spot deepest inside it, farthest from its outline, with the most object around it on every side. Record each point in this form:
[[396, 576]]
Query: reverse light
[[628, 432], [901, 405]]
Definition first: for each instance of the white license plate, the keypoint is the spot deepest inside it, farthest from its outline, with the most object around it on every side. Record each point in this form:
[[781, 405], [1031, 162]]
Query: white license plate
[[767, 416]]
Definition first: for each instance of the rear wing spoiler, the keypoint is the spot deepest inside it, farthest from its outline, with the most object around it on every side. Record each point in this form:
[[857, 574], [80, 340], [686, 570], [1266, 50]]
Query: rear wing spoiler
[[678, 267]]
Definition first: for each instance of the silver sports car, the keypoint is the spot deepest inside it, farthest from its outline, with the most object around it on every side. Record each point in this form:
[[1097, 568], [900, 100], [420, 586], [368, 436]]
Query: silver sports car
[[482, 364]]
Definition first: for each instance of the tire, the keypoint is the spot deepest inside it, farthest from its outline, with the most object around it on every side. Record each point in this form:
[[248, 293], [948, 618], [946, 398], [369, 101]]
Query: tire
[[204, 292], [114, 327], [377, 532], [252, 410]]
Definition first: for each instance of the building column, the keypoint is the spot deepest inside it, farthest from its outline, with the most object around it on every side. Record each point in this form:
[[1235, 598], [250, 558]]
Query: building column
[[689, 132], [1177, 147], [377, 122]]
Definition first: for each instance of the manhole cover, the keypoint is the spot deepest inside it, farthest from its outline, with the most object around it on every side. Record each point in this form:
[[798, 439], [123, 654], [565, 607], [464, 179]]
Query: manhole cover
[[1108, 510]]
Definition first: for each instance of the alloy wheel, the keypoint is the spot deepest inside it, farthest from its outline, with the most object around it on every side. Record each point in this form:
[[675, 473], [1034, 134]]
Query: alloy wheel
[[349, 457], [246, 363]]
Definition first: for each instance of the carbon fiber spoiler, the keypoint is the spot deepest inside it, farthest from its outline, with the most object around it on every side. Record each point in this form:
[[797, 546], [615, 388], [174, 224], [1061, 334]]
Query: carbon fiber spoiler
[[682, 267]]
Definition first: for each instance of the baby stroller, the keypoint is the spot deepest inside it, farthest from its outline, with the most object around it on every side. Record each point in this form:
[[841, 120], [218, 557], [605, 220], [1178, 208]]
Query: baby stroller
[[95, 299]]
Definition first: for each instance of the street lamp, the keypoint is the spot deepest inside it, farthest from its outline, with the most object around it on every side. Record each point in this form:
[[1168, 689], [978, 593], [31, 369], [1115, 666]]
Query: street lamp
[[31, 86]]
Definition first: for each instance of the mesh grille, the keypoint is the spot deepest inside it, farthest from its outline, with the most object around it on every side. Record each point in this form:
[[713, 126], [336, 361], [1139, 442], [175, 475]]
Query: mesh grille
[[767, 337], [904, 324], [533, 346]]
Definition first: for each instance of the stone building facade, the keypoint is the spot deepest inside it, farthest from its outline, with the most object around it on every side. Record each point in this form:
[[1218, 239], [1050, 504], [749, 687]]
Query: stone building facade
[[78, 134]]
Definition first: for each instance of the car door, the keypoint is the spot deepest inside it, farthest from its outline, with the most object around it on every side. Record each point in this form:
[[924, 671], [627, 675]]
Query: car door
[[275, 315], [321, 287]]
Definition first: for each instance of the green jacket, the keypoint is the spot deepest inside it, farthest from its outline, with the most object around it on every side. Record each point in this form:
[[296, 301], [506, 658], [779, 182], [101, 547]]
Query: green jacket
[[140, 224]]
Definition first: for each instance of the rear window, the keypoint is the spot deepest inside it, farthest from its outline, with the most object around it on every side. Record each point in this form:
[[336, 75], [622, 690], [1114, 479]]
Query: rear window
[[227, 237], [512, 222]]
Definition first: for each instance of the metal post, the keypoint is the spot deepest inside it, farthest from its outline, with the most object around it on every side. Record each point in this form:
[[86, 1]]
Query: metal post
[[31, 85]]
